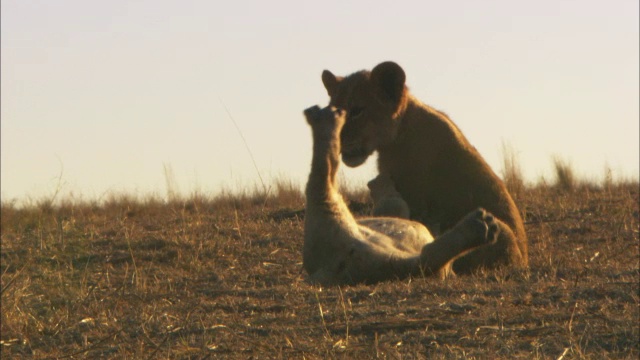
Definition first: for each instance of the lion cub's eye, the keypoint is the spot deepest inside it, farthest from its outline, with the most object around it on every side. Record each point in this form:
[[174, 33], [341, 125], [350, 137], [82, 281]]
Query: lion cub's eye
[[356, 111]]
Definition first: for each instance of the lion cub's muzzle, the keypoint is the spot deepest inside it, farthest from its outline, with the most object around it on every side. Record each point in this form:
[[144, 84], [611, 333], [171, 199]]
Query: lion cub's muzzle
[[354, 157]]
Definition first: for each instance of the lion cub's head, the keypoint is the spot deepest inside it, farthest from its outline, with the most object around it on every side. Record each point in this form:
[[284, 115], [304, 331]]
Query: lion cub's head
[[373, 101]]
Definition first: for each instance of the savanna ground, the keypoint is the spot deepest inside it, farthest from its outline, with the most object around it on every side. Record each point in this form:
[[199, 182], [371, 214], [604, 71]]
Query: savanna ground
[[222, 278]]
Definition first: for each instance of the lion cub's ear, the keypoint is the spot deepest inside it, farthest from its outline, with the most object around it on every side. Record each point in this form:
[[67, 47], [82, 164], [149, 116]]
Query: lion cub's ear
[[389, 78], [330, 82]]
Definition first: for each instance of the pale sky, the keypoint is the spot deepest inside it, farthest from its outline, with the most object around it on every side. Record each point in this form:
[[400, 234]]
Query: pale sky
[[106, 93]]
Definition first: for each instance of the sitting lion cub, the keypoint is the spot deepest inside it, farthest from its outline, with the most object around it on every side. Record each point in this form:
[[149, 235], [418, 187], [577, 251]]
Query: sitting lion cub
[[338, 249], [429, 171]]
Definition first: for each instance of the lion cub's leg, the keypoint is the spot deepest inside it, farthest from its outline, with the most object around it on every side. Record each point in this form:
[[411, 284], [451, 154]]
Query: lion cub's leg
[[328, 222], [387, 201], [477, 229]]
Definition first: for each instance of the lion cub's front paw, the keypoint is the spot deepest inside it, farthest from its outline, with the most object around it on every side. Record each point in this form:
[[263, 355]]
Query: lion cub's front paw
[[483, 226]]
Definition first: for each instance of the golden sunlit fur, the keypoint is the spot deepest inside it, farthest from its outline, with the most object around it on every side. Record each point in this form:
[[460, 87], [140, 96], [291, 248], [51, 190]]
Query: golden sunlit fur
[[338, 249], [433, 167]]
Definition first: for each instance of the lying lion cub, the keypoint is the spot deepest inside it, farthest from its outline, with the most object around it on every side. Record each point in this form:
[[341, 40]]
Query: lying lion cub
[[338, 249]]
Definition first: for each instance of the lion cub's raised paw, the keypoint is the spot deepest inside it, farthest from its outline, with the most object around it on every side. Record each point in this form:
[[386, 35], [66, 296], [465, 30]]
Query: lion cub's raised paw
[[311, 114], [329, 117], [483, 227]]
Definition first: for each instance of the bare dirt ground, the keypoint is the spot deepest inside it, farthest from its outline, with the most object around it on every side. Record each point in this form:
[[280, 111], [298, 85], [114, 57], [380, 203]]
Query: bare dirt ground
[[223, 278]]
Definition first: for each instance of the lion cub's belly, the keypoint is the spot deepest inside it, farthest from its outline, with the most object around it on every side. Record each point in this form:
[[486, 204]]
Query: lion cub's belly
[[405, 235]]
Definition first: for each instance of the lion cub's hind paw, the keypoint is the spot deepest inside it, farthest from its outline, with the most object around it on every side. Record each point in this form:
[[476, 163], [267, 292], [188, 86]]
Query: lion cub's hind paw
[[485, 226]]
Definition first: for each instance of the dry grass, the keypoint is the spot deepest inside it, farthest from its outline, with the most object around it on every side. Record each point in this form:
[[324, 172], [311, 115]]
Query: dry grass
[[565, 175], [511, 170], [222, 278]]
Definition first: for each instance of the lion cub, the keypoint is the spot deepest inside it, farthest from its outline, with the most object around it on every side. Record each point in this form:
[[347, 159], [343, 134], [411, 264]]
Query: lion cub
[[425, 161], [338, 249]]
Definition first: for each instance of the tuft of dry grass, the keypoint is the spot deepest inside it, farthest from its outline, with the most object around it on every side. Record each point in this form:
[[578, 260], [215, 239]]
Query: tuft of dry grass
[[222, 277], [565, 175], [511, 171]]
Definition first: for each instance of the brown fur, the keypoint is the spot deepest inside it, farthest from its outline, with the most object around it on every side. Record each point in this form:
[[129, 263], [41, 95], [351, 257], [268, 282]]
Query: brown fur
[[440, 175], [338, 249]]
